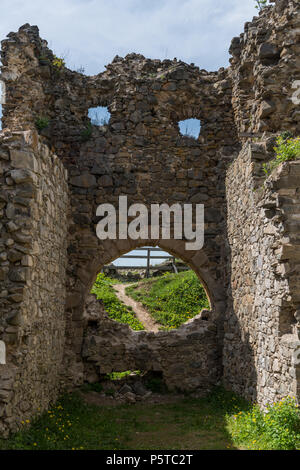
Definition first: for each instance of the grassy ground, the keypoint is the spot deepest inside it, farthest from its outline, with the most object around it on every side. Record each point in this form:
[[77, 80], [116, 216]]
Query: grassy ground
[[186, 424], [114, 307], [171, 299], [219, 421]]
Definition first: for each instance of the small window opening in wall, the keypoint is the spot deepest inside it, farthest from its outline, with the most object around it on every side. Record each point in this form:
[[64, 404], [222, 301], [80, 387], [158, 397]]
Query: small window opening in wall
[[190, 128], [99, 116], [287, 321], [149, 289], [139, 382]]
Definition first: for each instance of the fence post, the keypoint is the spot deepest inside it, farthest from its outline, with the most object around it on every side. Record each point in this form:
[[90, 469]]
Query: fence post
[[174, 265], [148, 262]]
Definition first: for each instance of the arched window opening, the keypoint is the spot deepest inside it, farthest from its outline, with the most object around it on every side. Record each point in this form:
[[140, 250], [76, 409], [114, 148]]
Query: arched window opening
[[190, 128], [99, 116], [147, 289], [151, 290]]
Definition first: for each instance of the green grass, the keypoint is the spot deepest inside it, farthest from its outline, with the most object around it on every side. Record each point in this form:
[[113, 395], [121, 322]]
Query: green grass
[[121, 375], [172, 299], [41, 123], [74, 424], [278, 428], [221, 420], [114, 307], [287, 148]]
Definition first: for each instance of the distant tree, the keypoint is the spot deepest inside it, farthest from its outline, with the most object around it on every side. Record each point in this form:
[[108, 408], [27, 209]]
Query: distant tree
[[260, 4]]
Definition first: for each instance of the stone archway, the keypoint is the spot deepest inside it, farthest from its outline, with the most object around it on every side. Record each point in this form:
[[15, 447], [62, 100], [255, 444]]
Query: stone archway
[[209, 332], [188, 358], [198, 261]]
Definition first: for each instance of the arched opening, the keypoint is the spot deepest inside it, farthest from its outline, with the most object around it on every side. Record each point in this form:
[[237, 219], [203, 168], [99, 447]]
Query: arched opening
[[99, 116], [181, 358], [190, 128], [111, 250], [150, 289]]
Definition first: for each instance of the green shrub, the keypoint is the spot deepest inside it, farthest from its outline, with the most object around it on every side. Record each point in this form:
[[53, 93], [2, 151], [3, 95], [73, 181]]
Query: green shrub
[[261, 4], [41, 123], [114, 307], [58, 63], [278, 427], [287, 148], [172, 299], [86, 134], [121, 375]]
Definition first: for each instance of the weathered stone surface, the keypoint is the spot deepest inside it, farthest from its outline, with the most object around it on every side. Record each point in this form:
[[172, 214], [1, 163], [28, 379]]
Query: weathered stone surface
[[22, 176], [84, 181], [267, 51], [21, 159], [105, 181], [32, 278], [176, 354]]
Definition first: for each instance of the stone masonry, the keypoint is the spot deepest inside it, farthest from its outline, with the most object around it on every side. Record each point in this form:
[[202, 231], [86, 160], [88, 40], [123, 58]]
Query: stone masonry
[[33, 228], [53, 180], [187, 357]]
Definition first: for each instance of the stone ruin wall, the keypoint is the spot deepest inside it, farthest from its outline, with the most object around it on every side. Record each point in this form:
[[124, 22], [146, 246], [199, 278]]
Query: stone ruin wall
[[261, 320], [262, 225], [189, 358], [33, 232], [141, 154]]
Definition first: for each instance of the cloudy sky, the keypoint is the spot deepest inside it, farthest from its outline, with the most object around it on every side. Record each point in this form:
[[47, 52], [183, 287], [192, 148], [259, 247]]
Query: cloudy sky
[[91, 32]]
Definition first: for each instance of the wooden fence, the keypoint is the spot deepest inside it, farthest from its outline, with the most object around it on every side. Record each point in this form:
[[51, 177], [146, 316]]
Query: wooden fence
[[148, 257]]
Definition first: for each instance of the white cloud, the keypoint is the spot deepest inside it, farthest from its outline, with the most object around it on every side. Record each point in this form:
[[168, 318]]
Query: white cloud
[[94, 31]]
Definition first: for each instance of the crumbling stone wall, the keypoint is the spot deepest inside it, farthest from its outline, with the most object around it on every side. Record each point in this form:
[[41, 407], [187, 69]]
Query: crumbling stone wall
[[260, 322], [188, 357], [264, 69], [33, 235], [249, 262]]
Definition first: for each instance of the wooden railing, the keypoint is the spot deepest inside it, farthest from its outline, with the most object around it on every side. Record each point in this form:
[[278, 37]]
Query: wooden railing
[[148, 257]]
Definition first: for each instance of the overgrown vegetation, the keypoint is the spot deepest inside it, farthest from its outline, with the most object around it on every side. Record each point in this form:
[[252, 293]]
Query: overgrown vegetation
[[287, 148], [80, 69], [221, 420], [261, 4], [278, 427], [58, 62], [122, 375], [72, 424], [86, 134], [172, 299], [41, 123], [115, 308]]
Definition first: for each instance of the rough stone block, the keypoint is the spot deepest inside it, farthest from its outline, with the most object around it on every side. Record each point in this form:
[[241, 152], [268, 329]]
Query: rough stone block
[[22, 159]]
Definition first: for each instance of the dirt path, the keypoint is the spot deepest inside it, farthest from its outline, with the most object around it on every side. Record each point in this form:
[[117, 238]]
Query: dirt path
[[141, 314]]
